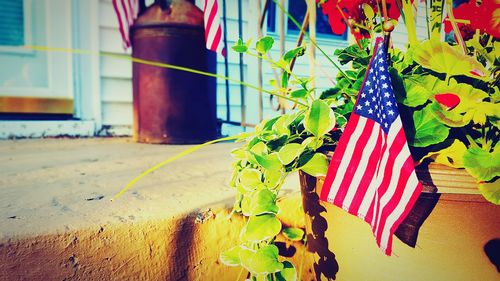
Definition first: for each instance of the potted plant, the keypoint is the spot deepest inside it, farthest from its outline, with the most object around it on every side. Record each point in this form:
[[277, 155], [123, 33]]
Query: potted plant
[[449, 99]]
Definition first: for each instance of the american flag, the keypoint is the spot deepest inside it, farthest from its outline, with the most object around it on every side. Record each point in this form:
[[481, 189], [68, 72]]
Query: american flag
[[213, 30], [371, 174], [126, 12]]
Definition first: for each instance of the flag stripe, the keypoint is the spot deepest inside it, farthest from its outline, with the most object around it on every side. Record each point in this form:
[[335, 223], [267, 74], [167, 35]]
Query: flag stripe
[[339, 152], [396, 206], [357, 164], [342, 165], [389, 170], [403, 210], [213, 30], [368, 175], [391, 198], [120, 24], [125, 9]]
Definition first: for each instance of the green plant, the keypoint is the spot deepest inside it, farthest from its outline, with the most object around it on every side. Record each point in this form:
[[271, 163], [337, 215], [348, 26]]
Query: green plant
[[449, 100], [448, 92], [284, 144]]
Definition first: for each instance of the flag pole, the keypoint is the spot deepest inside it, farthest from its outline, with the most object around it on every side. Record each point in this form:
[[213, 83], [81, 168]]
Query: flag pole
[[388, 28]]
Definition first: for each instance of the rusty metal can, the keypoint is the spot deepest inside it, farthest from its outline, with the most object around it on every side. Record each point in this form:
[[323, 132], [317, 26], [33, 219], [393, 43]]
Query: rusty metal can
[[173, 106]]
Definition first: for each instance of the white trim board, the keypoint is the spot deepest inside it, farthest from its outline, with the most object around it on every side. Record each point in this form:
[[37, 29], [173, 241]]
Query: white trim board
[[38, 129], [86, 70]]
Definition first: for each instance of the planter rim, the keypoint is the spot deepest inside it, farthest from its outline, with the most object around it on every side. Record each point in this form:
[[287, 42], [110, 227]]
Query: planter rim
[[438, 178]]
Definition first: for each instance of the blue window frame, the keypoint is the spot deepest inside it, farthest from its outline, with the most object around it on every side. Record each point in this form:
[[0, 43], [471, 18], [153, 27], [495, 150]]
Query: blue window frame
[[298, 10], [12, 23]]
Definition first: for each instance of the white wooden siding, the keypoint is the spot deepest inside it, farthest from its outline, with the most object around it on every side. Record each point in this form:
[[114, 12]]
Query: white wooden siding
[[115, 75]]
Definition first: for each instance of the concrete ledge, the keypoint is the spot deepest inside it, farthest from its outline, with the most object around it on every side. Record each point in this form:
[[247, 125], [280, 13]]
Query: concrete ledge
[[41, 129], [57, 223]]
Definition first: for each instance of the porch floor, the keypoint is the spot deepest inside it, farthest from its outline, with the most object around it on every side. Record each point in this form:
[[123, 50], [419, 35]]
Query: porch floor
[[60, 185]]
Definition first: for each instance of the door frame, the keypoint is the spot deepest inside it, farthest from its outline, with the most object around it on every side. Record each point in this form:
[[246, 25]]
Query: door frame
[[86, 68]]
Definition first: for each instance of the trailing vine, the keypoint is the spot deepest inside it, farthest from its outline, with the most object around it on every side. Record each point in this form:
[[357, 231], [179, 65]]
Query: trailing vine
[[296, 141]]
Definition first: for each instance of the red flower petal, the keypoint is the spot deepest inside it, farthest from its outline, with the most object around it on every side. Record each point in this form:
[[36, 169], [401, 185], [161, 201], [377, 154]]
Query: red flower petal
[[477, 72], [447, 100], [337, 24]]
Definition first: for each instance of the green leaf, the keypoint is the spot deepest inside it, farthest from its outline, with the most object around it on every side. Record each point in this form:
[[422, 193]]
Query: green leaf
[[274, 144], [418, 89], [428, 129], [293, 233], [250, 178], [239, 153], [491, 191], [288, 273], [397, 83], [245, 205], [239, 47], [289, 152], [284, 79], [259, 148], [482, 165], [261, 228], [237, 202], [319, 119], [231, 257], [297, 52], [451, 118], [451, 156], [368, 11], [262, 261], [270, 161], [300, 93], [281, 126], [264, 44], [317, 166], [263, 202], [443, 58], [313, 143], [266, 125], [272, 178]]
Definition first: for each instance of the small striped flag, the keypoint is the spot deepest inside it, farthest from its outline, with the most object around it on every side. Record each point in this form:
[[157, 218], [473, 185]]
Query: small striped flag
[[372, 174], [126, 12], [213, 30]]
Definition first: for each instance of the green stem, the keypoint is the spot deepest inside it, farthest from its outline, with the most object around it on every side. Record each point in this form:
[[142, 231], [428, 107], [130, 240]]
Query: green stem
[[427, 20], [456, 30], [410, 22], [239, 274], [296, 23], [169, 160], [273, 63], [158, 64], [470, 139], [166, 65]]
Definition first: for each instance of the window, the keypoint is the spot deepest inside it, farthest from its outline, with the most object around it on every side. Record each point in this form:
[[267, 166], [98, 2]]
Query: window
[[298, 10], [13, 23]]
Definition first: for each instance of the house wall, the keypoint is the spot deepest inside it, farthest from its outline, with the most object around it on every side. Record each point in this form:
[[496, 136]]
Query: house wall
[[115, 75]]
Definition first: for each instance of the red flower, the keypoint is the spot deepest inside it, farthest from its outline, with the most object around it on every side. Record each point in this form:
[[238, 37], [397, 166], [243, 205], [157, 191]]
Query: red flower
[[447, 100], [338, 11], [484, 17]]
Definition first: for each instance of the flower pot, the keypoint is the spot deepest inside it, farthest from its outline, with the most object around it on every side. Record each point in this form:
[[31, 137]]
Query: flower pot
[[454, 230]]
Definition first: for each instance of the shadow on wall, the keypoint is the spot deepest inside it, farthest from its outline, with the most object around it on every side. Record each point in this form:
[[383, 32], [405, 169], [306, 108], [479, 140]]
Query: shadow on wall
[[492, 250], [326, 265]]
